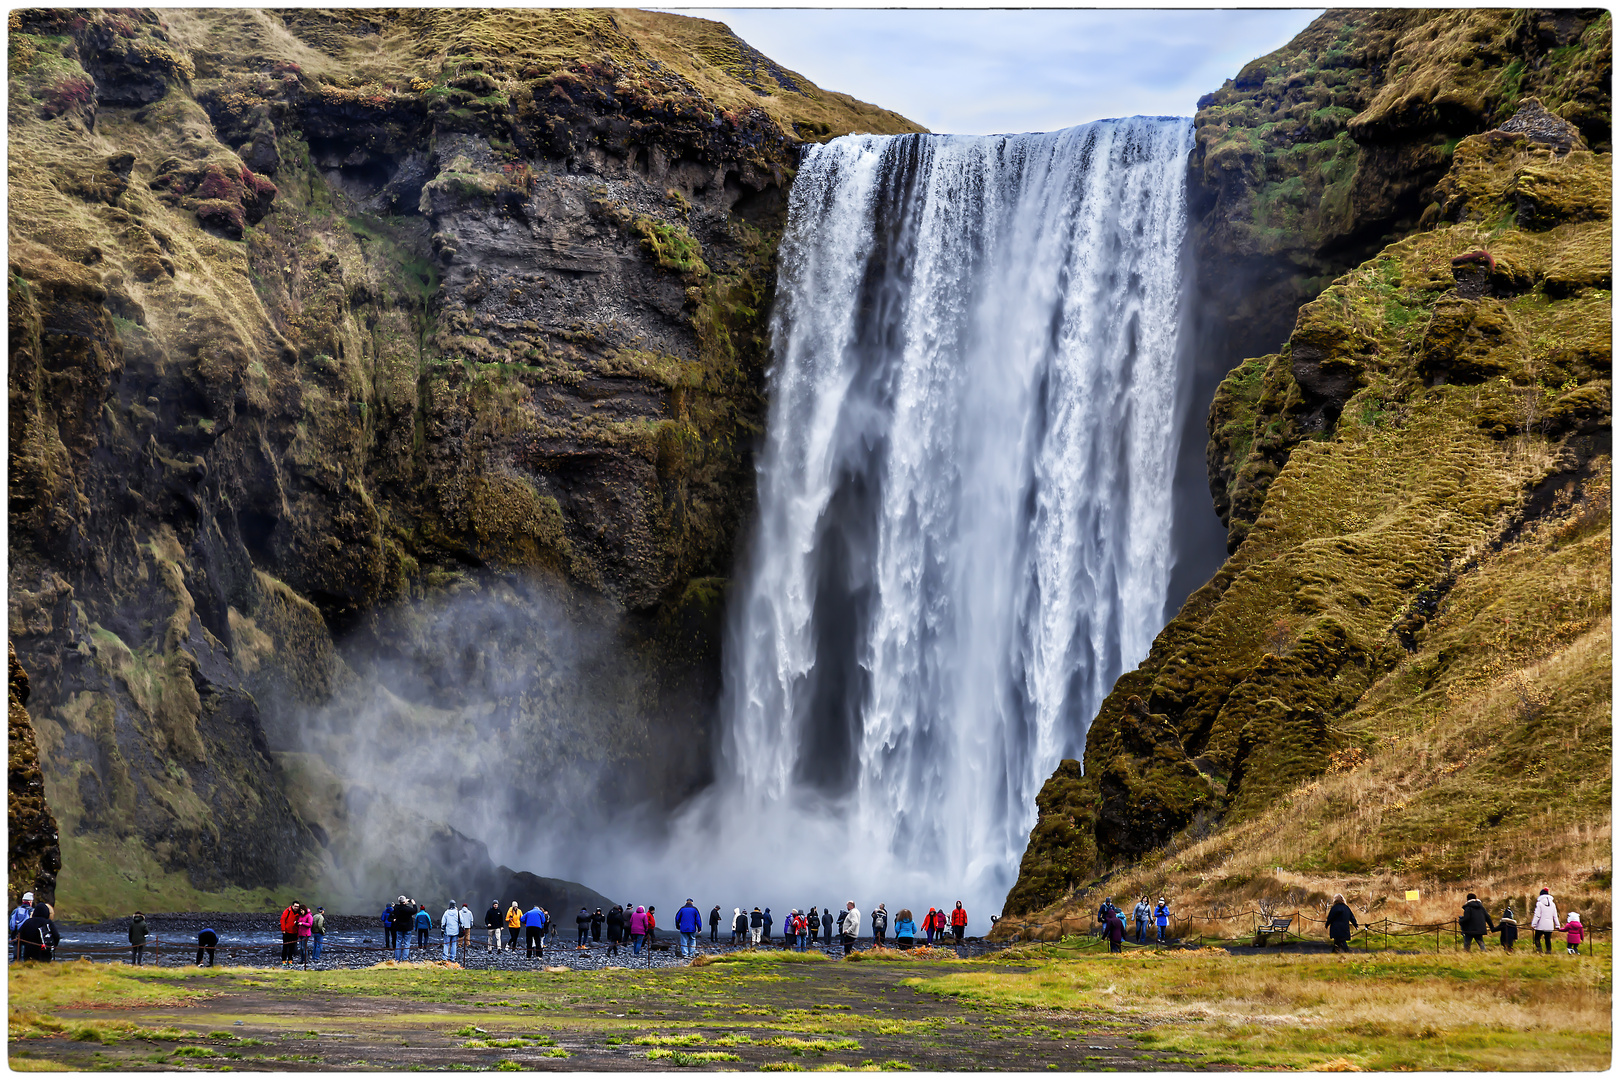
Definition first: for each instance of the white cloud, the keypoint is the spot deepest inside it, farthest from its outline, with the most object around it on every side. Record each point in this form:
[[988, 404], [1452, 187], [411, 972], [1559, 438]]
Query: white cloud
[[983, 72]]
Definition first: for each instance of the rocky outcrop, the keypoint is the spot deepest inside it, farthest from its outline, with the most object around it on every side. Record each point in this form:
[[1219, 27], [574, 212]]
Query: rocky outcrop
[[34, 853], [1422, 474], [318, 313], [1318, 155]]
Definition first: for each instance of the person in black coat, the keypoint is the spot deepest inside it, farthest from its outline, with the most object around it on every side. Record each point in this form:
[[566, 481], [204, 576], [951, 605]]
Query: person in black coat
[[1475, 923], [1339, 921], [207, 942], [38, 935], [1508, 927], [597, 918], [1115, 928], [714, 924], [615, 929], [582, 922]]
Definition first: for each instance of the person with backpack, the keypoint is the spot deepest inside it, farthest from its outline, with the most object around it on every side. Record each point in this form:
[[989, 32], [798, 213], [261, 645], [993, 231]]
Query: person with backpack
[[582, 924], [1508, 927], [756, 922], [23, 912], [714, 925], [689, 922], [905, 931], [402, 919], [597, 918], [38, 936], [880, 925], [959, 922], [1141, 915], [801, 929], [207, 942], [615, 928], [450, 927], [814, 922], [1544, 921], [317, 932], [1475, 923], [137, 938], [739, 926], [1161, 919]]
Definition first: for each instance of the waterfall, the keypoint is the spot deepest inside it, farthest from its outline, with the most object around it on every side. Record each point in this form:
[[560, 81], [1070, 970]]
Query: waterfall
[[964, 496]]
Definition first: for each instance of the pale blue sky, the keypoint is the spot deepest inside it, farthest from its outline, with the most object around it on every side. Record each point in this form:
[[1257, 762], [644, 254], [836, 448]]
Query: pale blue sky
[[983, 72]]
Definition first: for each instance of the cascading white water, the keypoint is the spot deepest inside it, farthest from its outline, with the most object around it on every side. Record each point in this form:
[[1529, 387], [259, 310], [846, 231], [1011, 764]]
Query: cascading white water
[[965, 495]]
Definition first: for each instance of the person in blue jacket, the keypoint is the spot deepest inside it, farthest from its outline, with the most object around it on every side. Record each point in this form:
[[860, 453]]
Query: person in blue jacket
[[388, 926], [534, 922], [689, 921], [765, 929], [424, 924], [1161, 918], [905, 929]]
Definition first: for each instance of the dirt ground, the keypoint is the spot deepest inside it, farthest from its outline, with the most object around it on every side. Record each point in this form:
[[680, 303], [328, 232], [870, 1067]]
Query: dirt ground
[[754, 1016]]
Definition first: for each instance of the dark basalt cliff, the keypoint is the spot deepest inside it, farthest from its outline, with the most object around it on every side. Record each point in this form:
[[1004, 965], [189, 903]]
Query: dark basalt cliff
[[1416, 605], [33, 852], [313, 313]]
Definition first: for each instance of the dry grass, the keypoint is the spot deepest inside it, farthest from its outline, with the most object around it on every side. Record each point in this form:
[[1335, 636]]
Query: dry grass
[[922, 952], [1384, 1012], [761, 956]]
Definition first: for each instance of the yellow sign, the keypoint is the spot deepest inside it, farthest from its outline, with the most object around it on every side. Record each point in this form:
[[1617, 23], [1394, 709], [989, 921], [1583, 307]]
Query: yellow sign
[[1411, 894]]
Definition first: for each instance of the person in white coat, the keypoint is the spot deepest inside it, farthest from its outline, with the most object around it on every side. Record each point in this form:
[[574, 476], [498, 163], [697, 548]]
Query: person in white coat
[[850, 926], [1545, 920], [451, 925]]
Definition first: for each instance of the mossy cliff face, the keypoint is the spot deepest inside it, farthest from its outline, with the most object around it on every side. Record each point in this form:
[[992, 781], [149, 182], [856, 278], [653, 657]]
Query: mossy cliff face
[[317, 313], [1316, 156], [33, 852], [1424, 477]]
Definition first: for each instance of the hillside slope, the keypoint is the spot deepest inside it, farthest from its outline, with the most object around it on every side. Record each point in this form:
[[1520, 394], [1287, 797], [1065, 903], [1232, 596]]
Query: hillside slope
[[1401, 676], [314, 312]]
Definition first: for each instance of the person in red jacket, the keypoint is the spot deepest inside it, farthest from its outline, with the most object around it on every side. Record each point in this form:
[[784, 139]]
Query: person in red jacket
[[959, 922], [289, 933]]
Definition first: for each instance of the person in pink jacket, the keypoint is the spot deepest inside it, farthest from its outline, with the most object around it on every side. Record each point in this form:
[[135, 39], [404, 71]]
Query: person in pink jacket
[[1574, 934], [638, 929], [306, 923]]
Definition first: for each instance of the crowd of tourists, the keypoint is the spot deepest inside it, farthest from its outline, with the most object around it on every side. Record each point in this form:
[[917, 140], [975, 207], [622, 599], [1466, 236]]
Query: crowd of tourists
[[800, 929], [409, 924], [1143, 915], [1475, 922]]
